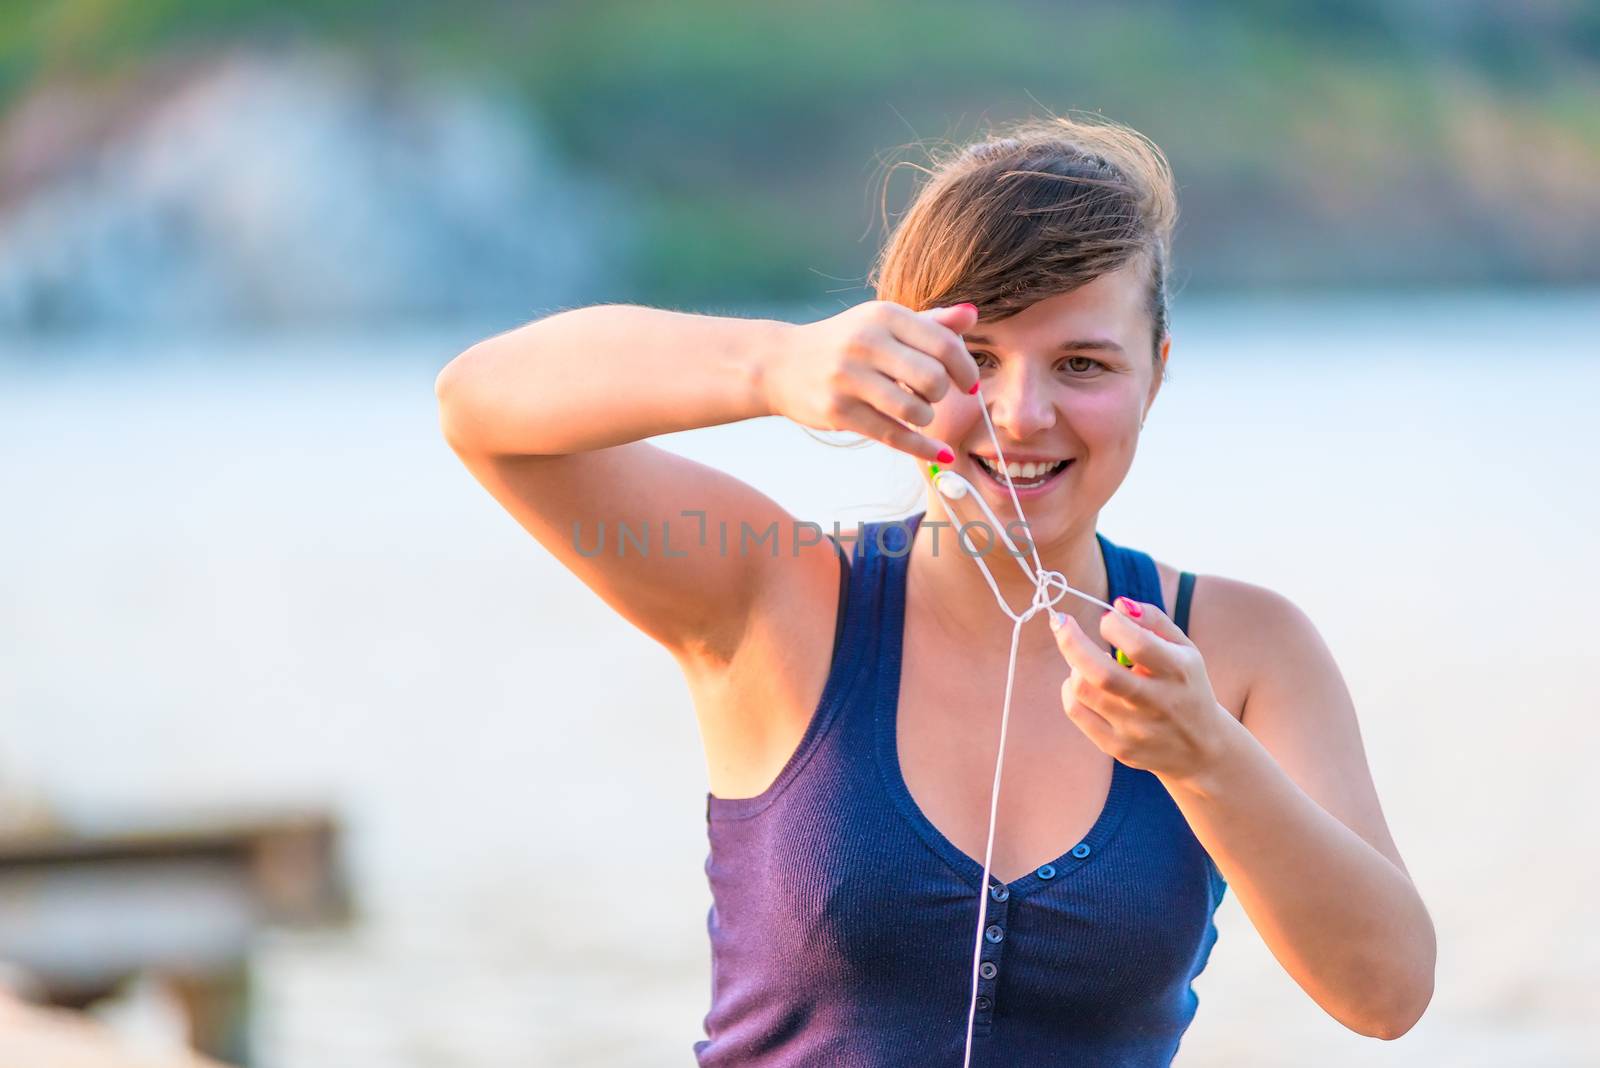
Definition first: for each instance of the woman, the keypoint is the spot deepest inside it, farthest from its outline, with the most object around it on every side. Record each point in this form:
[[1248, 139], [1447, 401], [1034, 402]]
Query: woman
[[851, 766]]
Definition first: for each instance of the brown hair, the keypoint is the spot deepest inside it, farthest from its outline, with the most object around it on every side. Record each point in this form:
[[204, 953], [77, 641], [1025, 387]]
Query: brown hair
[[1036, 209]]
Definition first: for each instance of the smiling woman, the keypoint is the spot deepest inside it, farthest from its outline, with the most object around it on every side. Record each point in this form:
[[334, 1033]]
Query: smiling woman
[[1066, 381], [848, 701]]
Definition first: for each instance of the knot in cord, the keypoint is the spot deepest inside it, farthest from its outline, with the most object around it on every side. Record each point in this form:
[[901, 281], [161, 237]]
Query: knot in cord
[[1043, 598]]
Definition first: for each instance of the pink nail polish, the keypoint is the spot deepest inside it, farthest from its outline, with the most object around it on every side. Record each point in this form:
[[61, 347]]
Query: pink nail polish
[[1129, 607], [946, 456], [974, 307], [974, 388]]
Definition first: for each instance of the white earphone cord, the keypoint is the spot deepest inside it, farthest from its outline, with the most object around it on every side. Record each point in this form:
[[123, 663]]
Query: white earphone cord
[[950, 485]]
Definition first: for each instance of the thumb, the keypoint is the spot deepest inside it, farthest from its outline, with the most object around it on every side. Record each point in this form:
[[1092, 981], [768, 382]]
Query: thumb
[[1151, 618], [957, 317]]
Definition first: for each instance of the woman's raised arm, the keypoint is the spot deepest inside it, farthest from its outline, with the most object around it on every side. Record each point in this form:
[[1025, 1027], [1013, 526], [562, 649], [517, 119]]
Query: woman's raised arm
[[605, 375], [549, 418]]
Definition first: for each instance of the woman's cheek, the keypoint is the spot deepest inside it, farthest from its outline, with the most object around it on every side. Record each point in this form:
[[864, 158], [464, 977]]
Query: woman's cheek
[[1101, 421], [954, 417], [1103, 409]]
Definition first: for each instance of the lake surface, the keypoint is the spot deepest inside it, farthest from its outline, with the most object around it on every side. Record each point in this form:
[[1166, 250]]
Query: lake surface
[[248, 571]]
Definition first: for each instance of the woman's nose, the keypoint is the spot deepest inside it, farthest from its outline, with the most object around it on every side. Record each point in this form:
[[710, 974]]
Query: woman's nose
[[1020, 407]]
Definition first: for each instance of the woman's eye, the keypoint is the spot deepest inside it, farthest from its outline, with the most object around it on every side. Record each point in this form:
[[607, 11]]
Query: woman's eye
[[983, 359]]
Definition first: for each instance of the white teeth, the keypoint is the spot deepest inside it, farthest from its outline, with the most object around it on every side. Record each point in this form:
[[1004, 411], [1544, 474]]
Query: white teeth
[[1027, 472]]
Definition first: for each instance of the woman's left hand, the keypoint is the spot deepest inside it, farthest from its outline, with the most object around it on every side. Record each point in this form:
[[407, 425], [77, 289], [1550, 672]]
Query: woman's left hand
[[1160, 715]]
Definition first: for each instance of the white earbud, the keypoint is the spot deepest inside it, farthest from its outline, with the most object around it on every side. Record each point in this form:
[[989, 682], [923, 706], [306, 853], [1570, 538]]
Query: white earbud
[[952, 485]]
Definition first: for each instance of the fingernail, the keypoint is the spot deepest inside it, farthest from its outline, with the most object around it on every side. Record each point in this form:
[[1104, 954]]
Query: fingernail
[[1057, 619], [946, 456], [1129, 607], [974, 388], [974, 307]]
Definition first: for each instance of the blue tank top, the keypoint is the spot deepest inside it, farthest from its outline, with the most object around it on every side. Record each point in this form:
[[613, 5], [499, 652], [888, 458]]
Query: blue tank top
[[842, 920]]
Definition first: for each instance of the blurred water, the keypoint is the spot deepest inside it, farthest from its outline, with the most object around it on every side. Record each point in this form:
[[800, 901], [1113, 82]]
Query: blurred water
[[248, 570]]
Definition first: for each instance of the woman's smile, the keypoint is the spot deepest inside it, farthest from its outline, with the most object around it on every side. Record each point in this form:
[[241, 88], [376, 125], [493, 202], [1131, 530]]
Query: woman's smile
[[1031, 478]]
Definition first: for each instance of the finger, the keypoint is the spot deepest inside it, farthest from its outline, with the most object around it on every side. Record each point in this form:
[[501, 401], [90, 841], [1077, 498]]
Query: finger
[[862, 418], [958, 317], [1146, 652], [913, 369], [1141, 642], [1095, 726], [1153, 619], [1109, 707], [937, 333], [892, 399], [1090, 662]]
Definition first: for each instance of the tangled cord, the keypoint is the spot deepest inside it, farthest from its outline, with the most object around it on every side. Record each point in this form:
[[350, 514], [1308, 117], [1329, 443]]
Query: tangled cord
[[1049, 587]]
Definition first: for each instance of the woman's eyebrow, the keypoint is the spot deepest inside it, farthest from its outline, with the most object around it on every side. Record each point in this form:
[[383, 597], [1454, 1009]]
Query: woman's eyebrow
[[1101, 344]]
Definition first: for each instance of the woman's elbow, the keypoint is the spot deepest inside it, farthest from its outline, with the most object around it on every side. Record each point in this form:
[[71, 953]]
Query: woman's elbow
[[444, 382], [1403, 1004], [1401, 1017], [452, 389], [454, 377], [444, 392]]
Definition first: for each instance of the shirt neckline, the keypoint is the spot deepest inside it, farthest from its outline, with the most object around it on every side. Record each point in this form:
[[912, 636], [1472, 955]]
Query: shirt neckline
[[887, 704]]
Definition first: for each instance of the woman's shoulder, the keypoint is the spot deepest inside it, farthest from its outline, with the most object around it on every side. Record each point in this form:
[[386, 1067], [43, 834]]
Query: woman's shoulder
[[1233, 623], [1225, 596]]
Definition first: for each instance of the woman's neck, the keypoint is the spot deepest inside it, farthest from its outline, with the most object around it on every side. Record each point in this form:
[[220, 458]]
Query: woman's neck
[[951, 591]]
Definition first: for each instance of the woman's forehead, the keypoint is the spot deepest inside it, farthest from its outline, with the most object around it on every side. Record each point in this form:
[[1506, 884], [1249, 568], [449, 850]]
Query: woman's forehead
[[1108, 311]]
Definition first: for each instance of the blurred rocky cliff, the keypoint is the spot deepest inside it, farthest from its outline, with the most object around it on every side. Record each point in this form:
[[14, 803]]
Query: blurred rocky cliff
[[288, 187], [183, 162]]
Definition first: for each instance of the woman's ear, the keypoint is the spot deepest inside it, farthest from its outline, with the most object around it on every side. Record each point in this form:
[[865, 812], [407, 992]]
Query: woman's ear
[[1158, 377]]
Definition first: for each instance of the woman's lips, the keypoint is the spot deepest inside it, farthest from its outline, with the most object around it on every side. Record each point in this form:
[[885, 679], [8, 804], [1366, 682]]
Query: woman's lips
[[1022, 493]]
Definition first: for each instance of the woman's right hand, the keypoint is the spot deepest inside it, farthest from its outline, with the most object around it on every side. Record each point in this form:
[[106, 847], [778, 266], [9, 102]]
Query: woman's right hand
[[874, 368]]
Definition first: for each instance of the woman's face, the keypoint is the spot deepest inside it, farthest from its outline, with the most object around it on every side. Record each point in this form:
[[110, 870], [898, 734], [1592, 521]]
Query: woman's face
[[1068, 378]]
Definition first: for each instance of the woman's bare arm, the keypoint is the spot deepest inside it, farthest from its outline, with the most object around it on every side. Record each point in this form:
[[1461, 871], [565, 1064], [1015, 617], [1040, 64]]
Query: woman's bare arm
[[606, 375], [549, 417], [1290, 814]]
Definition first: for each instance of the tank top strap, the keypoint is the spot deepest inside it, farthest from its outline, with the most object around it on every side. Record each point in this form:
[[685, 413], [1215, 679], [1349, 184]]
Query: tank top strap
[[1185, 595], [844, 599], [877, 548], [863, 587], [1131, 573], [878, 563]]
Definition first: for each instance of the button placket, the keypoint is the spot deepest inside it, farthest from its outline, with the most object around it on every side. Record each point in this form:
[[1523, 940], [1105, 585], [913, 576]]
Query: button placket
[[989, 957]]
